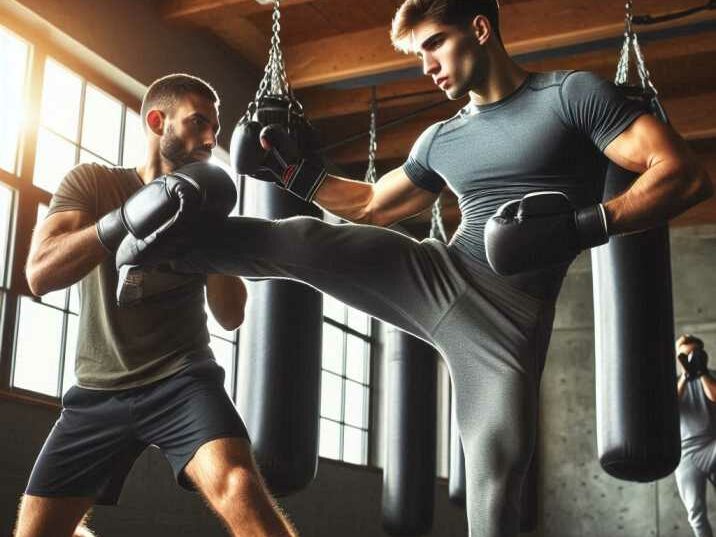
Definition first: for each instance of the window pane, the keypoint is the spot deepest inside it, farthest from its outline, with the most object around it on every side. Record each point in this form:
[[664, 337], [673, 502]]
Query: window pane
[[356, 404], [134, 141], [224, 354], [13, 66], [37, 359], [5, 220], [358, 321], [332, 349], [331, 396], [357, 359], [334, 309], [55, 157], [61, 95], [90, 158], [75, 299], [101, 124], [68, 375], [354, 445], [330, 440]]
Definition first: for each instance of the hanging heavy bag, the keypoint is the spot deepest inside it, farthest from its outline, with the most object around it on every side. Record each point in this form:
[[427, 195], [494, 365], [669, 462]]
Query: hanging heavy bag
[[636, 407], [280, 347], [409, 473]]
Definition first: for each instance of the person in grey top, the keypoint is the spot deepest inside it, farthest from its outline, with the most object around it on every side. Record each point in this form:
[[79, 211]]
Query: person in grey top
[[520, 134], [145, 372], [696, 388]]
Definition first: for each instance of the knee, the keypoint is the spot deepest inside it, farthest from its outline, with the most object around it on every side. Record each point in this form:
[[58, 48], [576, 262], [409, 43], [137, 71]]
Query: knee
[[240, 484]]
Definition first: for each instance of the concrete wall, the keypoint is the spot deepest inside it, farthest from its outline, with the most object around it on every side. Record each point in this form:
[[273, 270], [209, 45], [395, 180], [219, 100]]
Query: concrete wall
[[578, 499]]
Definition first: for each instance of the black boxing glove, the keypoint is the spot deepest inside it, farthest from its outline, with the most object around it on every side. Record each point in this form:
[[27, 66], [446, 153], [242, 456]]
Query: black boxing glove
[[204, 186], [272, 154], [542, 229]]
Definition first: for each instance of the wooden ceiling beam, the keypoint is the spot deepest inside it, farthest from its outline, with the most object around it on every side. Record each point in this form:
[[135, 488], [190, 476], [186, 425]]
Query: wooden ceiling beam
[[184, 9], [677, 65], [527, 30]]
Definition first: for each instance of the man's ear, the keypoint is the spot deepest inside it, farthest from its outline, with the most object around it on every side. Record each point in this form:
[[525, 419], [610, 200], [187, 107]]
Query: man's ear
[[482, 28], [155, 121]]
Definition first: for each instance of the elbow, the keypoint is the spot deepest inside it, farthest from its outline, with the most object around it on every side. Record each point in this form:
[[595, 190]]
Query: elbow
[[35, 281], [231, 322]]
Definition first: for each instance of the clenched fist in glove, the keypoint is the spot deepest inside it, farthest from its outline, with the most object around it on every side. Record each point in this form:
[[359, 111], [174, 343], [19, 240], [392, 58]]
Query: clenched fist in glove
[[540, 230]]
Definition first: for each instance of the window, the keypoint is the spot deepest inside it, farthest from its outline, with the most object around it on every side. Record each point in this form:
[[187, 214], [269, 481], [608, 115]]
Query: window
[[14, 55], [345, 383], [74, 120], [44, 363]]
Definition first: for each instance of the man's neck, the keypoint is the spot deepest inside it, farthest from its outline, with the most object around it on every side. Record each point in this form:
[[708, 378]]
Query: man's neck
[[504, 76]]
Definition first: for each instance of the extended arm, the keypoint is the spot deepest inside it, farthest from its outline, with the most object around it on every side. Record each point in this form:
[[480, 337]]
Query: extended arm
[[392, 198], [671, 179]]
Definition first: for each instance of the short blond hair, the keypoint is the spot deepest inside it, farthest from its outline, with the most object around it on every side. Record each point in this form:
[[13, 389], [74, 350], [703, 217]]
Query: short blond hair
[[452, 12]]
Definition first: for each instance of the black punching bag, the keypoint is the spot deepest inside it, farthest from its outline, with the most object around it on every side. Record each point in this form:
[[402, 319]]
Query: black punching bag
[[409, 473], [280, 365], [637, 411]]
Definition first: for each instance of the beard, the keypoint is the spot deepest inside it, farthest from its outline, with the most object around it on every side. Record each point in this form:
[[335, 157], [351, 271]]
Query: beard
[[173, 150]]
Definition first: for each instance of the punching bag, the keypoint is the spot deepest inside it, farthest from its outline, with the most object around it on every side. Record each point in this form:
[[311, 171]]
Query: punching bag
[[409, 473], [637, 409], [456, 478], [280, 349]]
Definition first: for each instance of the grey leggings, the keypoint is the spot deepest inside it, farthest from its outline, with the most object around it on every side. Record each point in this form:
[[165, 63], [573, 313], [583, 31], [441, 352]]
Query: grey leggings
[[691, 478], [492, 336]]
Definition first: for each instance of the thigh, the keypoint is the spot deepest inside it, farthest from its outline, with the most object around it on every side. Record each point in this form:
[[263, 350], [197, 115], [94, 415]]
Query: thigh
[[384, 273], [691, 483], [50, 517], [185, 411], [89, 451]]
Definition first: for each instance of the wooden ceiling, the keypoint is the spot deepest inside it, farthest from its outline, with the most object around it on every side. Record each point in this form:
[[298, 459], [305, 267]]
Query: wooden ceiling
[[337, 50]]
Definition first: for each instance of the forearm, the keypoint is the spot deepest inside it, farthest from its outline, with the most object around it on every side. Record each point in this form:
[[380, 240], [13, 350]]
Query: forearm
[[664, 191], [347, 199], [59, 261], [226, 296], [709, 386], [681, 385]]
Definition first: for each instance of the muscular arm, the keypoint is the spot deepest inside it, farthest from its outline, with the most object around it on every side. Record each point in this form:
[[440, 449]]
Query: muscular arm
[[709, 385], [680, 385], [226, 296], [393, 198], [64, 249], [671, 179]]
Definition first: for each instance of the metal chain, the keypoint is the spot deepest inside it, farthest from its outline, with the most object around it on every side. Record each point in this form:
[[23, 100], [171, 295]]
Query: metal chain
[[275, 80], [437, 229], [631, 42], [370, 173]]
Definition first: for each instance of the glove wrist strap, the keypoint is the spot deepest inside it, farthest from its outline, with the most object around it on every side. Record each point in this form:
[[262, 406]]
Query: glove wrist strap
[[592, 226], [304, 178]]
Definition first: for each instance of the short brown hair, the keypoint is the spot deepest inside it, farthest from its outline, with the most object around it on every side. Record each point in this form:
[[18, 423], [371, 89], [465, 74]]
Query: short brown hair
[[452, 12], [164, 92]]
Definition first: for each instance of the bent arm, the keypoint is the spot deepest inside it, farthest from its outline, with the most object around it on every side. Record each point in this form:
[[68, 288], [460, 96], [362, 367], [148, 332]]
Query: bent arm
[[226, 296], [709, 385], [671, 179], [64, 248], [393, 198]]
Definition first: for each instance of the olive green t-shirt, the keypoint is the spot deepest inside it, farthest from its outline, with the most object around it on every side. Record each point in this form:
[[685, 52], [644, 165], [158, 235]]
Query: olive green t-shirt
[[127, 346]]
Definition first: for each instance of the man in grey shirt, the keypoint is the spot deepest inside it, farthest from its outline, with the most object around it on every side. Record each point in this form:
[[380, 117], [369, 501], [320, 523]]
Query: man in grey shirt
[[696, 389], [521, 134]]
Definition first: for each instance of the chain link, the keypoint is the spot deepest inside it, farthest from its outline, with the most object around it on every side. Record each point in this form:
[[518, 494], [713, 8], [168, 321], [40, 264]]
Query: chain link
[[370, 173], [631, 43], [437, 229], [275, 80]]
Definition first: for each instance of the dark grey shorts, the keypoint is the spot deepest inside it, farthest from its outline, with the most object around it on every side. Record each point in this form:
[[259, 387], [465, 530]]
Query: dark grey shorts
[[100, 434]]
